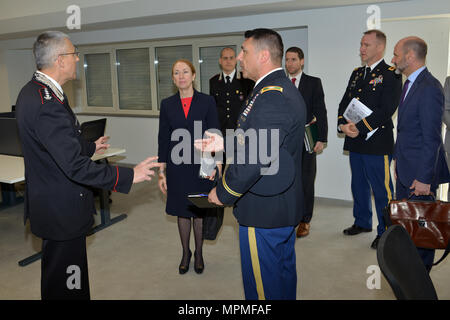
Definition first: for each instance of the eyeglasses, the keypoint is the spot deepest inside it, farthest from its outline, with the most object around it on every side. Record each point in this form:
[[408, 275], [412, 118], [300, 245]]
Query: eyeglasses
[[77, 53]]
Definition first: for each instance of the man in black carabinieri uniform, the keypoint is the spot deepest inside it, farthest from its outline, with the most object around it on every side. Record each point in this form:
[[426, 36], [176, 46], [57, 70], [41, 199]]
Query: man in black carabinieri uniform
[[370, 142], [267, 207], [311, 90], [229, 89], [59, 171]]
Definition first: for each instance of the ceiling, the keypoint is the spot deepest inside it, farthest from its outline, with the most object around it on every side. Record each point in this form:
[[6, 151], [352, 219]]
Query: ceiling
[[24, 18]]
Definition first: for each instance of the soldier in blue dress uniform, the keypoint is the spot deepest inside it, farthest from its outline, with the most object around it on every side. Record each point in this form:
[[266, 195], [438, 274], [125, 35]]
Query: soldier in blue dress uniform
[[378, 87], [267, 207]]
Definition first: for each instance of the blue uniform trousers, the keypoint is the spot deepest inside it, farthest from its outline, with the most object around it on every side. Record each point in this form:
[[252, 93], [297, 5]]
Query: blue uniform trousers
[[268, 263], [370, 172], [403, 192]]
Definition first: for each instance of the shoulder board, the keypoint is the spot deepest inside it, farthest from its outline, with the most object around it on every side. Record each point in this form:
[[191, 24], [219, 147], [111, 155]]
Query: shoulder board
[[271, 88], [355, 69]]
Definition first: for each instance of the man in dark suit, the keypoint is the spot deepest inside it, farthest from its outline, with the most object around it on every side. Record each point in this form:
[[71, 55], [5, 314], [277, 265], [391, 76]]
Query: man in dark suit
[[229, 89], [370, 142], [419, 152], [267, 207], [312, 92], [446, 119], [59, 171]]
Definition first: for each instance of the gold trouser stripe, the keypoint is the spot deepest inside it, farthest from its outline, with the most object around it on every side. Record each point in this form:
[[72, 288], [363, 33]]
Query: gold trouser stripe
[[387, 173], [227, 187], [367, 124], [255, 263]]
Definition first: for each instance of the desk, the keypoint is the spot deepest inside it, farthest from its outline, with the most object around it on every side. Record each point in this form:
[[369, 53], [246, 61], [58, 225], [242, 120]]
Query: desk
[[12, 170]]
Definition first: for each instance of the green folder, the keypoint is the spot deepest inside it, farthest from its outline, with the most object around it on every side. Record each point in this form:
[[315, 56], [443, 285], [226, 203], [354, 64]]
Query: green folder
[[310, 136]]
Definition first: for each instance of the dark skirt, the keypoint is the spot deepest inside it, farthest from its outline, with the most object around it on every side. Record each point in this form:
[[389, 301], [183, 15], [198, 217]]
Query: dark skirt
[[183, 180]]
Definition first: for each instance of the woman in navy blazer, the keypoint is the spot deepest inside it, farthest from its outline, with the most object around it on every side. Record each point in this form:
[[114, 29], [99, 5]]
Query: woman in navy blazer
[[180, 111]]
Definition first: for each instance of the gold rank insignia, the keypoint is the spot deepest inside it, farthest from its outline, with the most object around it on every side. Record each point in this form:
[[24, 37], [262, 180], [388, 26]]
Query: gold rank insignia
[[271, 88], [391, 69]]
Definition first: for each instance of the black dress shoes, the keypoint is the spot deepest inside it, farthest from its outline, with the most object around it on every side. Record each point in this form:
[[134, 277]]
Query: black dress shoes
[[374, 244], [354, 229], [183, 268], [199, 265]]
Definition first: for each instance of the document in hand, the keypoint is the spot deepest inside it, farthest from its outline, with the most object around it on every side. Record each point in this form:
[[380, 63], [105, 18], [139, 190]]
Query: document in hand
[[356, 111], [310, 136]]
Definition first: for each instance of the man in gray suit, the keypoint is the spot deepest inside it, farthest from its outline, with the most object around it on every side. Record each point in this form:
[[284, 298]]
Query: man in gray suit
[[447, 122]]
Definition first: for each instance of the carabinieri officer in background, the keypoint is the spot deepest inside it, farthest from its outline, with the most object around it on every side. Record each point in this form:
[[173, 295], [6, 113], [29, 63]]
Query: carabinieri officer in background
[[230, 89], [267, 207]]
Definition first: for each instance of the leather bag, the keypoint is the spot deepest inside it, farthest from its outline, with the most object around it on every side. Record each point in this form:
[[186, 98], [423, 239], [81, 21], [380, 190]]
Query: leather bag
[[427, 222]]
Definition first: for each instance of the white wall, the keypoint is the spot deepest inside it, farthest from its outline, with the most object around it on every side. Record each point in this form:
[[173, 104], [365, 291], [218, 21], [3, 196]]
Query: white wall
[[333, 42], [20, 69], [5, 105]]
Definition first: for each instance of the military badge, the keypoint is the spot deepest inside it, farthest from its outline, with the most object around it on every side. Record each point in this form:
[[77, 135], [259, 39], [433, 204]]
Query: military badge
[[376, 81], [240, 139], [249, 106], [47, 95]]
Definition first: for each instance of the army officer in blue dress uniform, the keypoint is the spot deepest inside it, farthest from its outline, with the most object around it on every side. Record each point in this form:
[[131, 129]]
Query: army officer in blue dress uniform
[[378, 87], [267, 207], [182, 111]]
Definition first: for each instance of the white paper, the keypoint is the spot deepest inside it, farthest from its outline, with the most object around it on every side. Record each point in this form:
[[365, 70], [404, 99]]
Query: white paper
[[356, 111]]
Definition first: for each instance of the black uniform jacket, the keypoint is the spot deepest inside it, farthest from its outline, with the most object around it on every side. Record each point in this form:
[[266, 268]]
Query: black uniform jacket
[[275, 103], [312, 92], [229, 98], [380, 91], [58, 168]]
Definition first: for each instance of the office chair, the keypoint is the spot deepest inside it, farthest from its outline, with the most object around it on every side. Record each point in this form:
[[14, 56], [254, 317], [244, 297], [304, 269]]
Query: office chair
[[402, 266]]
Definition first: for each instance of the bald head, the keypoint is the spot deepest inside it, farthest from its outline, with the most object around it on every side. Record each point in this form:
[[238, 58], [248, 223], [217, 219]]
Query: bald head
[[417, 46], [410, 54]]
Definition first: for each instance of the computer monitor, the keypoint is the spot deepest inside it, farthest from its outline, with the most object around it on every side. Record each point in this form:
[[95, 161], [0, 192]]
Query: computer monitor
[[92, 130], [9, 137]]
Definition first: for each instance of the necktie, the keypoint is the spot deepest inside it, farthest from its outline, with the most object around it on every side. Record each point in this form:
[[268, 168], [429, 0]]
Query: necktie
[[405, 89], [293, 80], [228, 79], [367, 72]]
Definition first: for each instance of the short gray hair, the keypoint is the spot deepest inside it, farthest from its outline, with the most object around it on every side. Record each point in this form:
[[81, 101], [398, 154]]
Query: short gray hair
[[47, 47]]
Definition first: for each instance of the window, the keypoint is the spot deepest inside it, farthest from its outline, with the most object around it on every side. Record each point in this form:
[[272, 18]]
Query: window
[[165, 57], [133, 78], [98, 80]]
